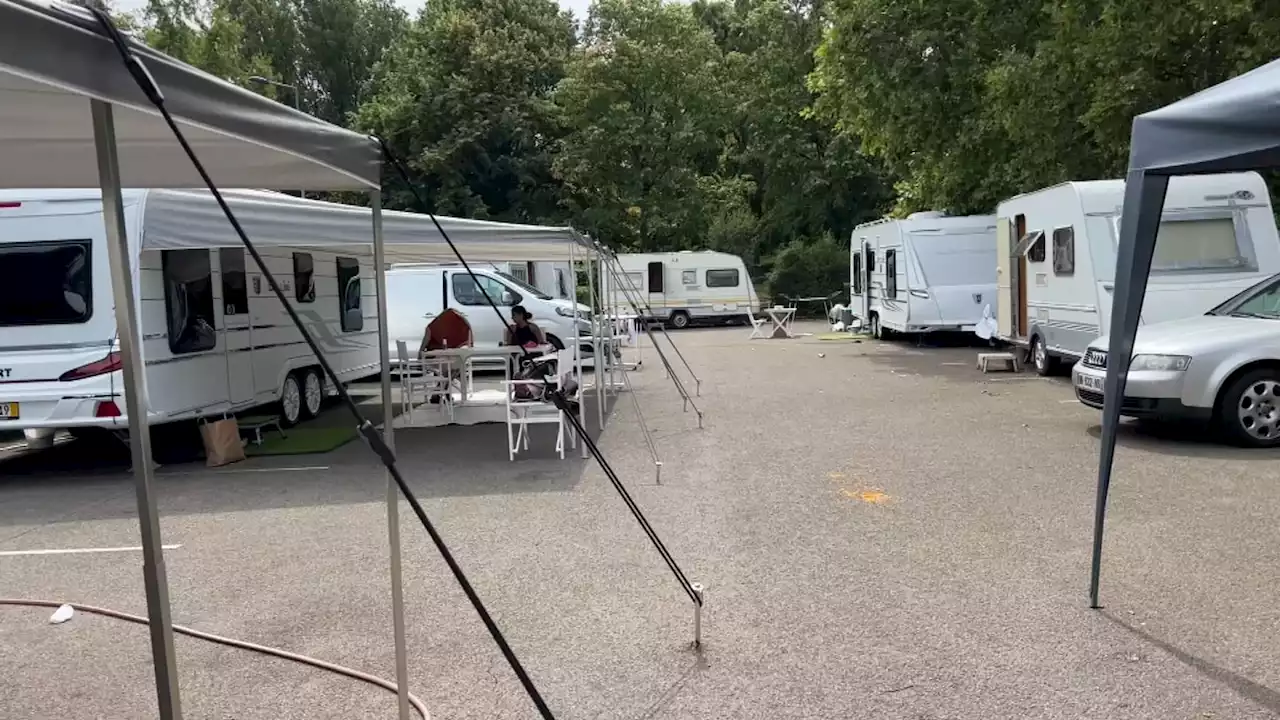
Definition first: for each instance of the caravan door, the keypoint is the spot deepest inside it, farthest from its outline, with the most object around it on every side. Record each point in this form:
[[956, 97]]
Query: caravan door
[[1004, 309], [236, 326], [864, 298], [657, 288]]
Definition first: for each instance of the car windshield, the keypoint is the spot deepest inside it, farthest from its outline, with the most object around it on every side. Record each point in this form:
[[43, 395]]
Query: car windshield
[[1260, 301], [524, 286]]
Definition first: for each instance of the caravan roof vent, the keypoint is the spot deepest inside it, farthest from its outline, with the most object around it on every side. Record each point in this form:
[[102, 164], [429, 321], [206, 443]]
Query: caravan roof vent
[[927, 215]]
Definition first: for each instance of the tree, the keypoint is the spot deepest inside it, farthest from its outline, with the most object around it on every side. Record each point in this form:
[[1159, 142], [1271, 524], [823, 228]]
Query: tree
[[810, 179], [202, 34], [810, 268], [643, 107], [463, 95]]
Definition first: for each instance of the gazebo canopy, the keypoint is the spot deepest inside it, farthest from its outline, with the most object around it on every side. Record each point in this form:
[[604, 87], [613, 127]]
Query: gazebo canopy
[[1232, 126], [54, 58]]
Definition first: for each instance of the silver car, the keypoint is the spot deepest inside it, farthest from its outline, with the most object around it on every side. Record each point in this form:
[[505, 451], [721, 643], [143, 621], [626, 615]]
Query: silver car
[[1221, 368]]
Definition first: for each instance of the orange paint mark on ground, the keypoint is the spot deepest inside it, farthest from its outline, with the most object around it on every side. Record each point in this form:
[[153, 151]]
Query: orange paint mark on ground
[[874, 496]]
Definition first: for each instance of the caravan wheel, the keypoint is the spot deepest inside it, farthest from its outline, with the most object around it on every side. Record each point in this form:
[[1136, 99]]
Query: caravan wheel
[[312, 393], [290, 401], [679, 319]]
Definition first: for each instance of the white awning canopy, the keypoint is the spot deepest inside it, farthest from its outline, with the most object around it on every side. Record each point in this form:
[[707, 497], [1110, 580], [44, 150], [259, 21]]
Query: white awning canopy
[[174, 219], [54, 58]]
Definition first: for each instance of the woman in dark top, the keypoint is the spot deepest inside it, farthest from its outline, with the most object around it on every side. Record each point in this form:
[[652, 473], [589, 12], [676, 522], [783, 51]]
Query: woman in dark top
[[522, 331]]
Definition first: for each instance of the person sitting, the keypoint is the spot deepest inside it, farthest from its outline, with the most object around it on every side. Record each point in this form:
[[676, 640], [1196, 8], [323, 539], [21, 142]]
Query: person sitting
[[522, 331]]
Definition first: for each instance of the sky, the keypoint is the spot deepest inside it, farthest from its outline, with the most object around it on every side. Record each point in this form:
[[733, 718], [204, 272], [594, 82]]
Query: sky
[[579, 7]]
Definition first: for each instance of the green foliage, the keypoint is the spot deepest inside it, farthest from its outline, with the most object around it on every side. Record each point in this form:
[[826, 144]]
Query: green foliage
[[642, 104], [464, 97], [764, 128], [810, 269]]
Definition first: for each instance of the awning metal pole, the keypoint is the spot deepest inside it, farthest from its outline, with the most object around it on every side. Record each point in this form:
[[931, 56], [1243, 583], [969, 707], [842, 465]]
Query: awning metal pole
[[135, 401], [602, 353], [388, 432]]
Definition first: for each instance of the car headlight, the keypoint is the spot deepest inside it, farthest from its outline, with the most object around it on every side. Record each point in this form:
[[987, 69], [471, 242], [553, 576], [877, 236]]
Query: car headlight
[[1176, 363], [565, 312]]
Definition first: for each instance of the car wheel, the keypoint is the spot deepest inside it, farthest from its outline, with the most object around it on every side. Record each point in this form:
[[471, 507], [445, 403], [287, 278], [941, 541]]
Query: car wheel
[[555, 342], [312, 393], [290, 401], [679, 320], [1040, 357], [1250, 410]]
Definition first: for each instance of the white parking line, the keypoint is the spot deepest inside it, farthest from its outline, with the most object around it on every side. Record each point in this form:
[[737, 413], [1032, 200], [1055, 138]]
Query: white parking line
[[306, 468], [80, 551]]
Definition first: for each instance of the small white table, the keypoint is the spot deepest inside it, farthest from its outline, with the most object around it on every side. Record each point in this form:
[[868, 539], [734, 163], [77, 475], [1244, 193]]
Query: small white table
[[781, 318], [464, 354]]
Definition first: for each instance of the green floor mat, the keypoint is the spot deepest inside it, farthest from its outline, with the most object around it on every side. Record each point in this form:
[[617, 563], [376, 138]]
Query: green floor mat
[[302, 440]]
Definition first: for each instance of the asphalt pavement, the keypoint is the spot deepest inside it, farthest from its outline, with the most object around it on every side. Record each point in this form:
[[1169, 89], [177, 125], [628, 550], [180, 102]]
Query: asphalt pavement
[[883, 532]]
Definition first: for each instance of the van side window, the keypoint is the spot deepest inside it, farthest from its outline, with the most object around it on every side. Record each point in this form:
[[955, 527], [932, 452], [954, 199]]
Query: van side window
[[891, 273], [304, 277], [349, 303], [467, 292], [856, 274], [722, 278], [235, 291], [1064, 251], [188, 300], [1035, 253]]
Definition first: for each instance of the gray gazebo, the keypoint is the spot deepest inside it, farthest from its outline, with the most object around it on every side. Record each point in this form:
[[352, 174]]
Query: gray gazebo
[[1233, 126], [72, 116]]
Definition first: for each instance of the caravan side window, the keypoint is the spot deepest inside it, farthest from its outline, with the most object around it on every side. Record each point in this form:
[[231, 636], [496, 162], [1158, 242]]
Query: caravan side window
[[856, 274], [688, 277], [560, 284], [871, 262], [304, 277], [891, 273], [235, 292], [634, 282], [1035, 253], [349, 302], [188, 300], [727, 277], [1064, 251]]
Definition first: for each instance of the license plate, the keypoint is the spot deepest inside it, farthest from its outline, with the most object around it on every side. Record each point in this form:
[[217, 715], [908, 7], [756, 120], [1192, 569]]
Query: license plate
[[1088, 382], [9, 411]]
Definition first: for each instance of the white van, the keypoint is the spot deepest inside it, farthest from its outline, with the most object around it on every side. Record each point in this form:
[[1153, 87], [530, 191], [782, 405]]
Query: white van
[[927, 273], [416, 293], [682, 288], [214, 338], [1057, 256]]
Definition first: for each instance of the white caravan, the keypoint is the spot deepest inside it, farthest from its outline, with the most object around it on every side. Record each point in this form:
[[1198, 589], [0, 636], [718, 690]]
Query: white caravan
[[215, 339], [552, 278], [683, 288], [418, 292], [927, 273], [1057, 255]]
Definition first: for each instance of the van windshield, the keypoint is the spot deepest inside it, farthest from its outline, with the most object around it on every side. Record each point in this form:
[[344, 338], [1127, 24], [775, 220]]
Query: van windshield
[[46, 283], [524, 286]]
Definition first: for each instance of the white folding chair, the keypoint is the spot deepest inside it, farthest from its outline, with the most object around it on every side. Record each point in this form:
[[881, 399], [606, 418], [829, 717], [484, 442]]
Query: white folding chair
[[525, 411], [757, 326], [437, 383]]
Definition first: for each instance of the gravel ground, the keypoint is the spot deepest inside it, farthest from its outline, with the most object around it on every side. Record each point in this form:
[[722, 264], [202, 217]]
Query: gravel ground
[[883, 532]]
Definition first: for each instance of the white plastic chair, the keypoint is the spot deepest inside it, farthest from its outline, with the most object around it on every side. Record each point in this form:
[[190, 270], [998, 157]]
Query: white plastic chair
[[757, 326], [430, 376], [523, 412]]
